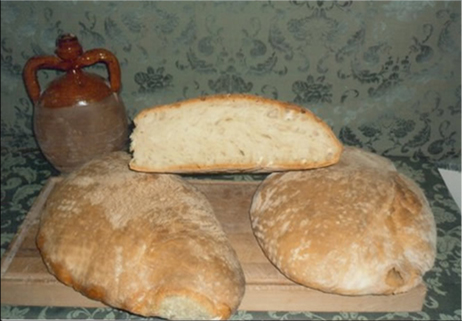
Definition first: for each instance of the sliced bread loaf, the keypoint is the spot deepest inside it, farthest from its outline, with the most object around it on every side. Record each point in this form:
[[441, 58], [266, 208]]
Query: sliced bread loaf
[[231, 133]]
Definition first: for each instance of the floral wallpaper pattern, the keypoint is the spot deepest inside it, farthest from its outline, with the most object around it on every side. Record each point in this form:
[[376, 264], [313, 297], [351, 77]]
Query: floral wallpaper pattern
[[385, 75]]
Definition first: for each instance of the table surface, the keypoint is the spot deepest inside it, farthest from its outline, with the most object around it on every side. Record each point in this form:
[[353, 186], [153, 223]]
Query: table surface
[[24, 173]]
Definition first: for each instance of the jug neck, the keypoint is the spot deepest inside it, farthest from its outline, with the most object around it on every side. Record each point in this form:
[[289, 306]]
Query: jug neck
[[68, 47]]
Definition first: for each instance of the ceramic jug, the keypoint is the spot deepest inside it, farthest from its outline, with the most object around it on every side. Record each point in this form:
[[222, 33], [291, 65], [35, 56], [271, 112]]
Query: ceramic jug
[[80, 115]]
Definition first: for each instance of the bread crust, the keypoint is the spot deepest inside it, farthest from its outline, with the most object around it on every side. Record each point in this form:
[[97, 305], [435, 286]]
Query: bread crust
[[146, 243], [220, 97], [231, 167], [356, 228]]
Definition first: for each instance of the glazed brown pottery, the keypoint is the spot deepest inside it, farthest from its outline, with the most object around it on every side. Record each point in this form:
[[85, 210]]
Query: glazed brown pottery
[[80, 115]]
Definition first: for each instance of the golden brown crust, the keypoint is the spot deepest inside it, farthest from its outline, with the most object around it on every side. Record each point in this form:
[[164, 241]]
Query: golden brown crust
[[355, 228], [240, 168], [233, 168], [149, 244], [219, 97]]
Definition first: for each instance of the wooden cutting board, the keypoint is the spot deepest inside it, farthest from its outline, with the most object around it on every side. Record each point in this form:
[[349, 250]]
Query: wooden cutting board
[[26, 281]]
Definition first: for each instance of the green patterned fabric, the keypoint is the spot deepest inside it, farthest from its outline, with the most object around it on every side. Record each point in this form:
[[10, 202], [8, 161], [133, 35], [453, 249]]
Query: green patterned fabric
[[385, 75]]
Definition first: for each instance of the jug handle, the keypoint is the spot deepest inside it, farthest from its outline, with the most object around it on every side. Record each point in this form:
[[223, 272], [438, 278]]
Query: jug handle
[[30, 73], [89, 58], [94, 56]]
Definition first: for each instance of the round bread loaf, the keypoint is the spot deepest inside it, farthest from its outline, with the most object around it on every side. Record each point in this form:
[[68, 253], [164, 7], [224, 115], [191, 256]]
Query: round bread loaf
[[146, 243], [357, 227]]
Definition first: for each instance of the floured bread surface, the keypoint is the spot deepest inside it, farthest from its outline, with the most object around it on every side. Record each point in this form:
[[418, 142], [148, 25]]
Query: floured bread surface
[[231, 133], [354, 228], [146, 243]]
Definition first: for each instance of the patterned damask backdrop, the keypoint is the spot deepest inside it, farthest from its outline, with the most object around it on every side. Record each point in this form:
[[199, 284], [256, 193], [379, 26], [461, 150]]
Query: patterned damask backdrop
[[384, 74]]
